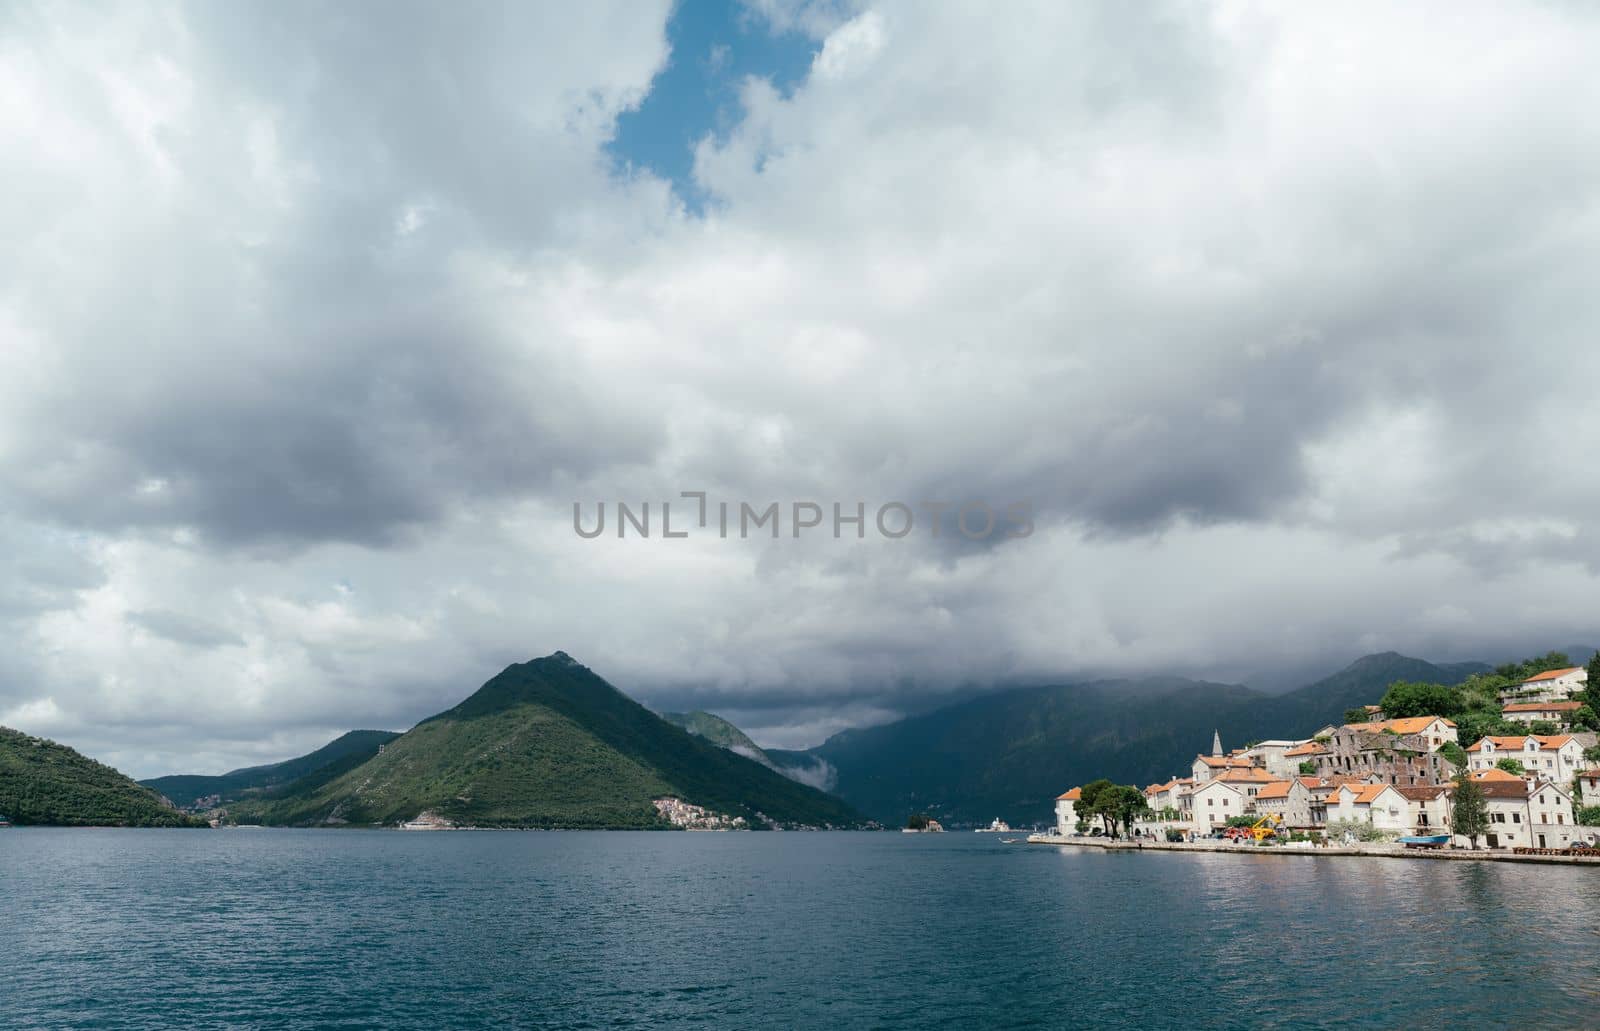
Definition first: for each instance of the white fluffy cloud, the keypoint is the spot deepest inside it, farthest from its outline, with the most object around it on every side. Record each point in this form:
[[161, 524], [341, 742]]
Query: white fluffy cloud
[[313, 326]]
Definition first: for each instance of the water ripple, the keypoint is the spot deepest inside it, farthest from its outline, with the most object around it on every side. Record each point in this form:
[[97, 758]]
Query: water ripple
[[151, 929]]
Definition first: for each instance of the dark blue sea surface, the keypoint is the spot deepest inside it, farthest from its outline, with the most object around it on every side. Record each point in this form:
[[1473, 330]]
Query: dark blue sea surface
[[358, 929]]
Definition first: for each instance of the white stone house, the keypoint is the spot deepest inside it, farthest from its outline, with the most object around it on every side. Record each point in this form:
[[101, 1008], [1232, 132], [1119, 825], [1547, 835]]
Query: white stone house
[[1205, 767], [1551, 686], [1288, 800], [1247, 780], [1529, 712], [1528, 815], [1269, 755], [1066, 811], [1304, 751], [1554, 757], [1427, 808], [1172, 795], [1381, 805], [1213, 803]]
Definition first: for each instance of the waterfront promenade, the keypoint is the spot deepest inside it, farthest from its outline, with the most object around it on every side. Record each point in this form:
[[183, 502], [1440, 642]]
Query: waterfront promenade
[[1388, 851]]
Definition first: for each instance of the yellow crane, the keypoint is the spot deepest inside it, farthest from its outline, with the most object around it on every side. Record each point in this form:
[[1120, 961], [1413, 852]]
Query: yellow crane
[[1261, 830], [1266, 827]]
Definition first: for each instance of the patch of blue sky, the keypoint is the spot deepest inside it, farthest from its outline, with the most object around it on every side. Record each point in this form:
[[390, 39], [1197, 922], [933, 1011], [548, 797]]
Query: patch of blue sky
[[715, 46]]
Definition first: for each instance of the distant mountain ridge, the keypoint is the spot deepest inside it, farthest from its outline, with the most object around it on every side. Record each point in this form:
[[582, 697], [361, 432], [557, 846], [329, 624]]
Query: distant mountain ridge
[[548, 743], [719, 732], [185, 789], [1010, 753], [46, 783]]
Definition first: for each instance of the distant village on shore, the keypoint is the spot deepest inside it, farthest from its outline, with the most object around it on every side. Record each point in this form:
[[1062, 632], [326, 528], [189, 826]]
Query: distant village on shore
[[1409, 778]]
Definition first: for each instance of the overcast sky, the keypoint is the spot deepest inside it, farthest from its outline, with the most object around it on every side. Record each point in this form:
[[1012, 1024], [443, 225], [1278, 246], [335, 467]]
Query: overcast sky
[[316, 321]]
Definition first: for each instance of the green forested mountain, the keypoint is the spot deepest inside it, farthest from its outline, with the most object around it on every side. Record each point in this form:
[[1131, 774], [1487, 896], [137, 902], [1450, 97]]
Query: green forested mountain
[[547, 743], [719, 732], [1010, 753], [184, 789], [42, 782]]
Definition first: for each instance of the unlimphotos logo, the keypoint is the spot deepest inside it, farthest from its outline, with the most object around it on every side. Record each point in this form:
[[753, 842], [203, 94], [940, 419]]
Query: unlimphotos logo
[[891, 520]]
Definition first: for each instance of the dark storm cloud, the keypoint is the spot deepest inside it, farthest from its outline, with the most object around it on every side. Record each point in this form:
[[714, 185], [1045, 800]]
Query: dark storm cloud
[[317, 320], [289, 350]]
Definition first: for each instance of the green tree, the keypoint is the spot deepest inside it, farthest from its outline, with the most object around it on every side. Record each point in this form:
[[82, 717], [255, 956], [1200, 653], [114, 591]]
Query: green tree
[[1469, 815], [1407, 698], [1589, 693], [1476, 724], [1361, 830], [1520, 671], [1585, 717], [1482, 690], [1589, 815], [1357, 715], [1543, 727], [1308, 768], [1118, 804], [1592, 753], [917, 822], [1511, 765], [1127, 803], [1089, 802], [1455, 753]]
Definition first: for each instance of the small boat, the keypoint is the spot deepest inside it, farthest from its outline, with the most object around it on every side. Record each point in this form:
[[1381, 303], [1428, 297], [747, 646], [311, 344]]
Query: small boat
[[428, 821], [4, 822], [1425, 840]]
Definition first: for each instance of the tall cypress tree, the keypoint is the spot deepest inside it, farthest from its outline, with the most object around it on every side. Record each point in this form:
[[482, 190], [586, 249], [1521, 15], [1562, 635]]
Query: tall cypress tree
[[1469, 816]]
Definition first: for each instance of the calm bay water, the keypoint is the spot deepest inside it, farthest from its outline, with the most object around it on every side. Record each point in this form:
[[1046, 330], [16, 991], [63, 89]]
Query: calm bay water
[[102, 928]]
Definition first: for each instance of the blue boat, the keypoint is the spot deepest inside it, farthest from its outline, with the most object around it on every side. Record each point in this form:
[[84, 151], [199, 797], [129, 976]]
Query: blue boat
[[1425, 840]]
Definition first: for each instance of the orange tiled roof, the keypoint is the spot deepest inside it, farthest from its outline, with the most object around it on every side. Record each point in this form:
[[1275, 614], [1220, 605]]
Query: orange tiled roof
[[1494, 774], [1070, 796], [1252, 775], [1552, 674], [1544, 707], [1309, 748], [1311, 782], [1339, 780], [1514, 788], [1225, 761], [1363, 794], [1368, 792], [1277, 789], [1547, 742], [1409, 725]]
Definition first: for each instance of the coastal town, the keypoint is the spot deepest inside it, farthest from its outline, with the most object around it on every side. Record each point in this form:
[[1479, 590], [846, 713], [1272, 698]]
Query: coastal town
[[1382, 781]]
